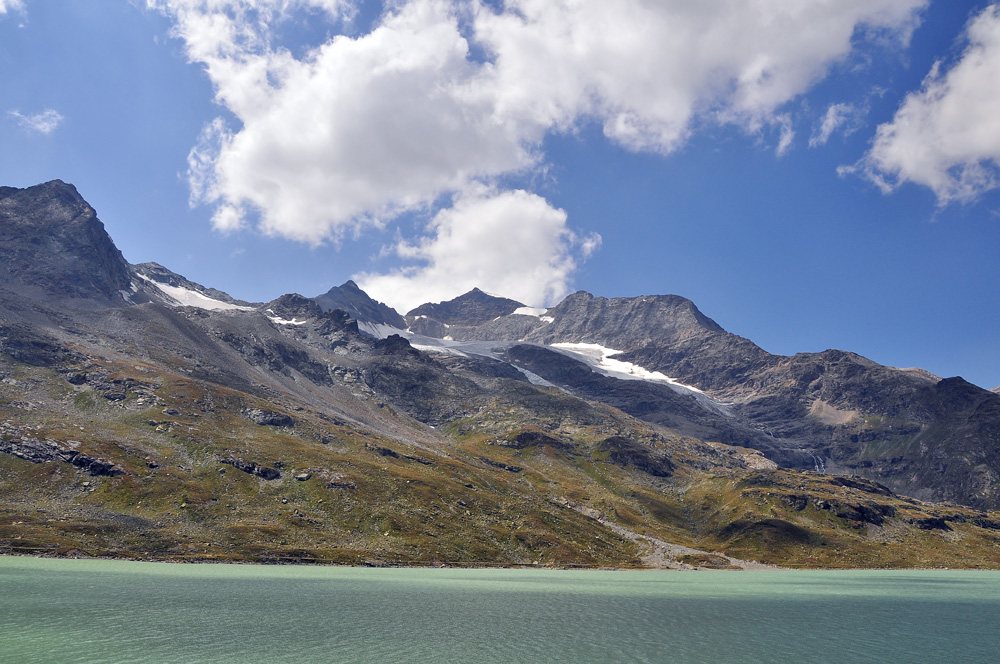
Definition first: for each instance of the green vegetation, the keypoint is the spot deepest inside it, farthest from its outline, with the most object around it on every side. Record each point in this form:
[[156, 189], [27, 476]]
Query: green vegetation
[[508, 485]]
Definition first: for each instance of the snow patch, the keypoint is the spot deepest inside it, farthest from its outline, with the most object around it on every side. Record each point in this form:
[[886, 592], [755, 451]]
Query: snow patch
[[448, 350], [547, 319], [184, 297], [533, 378], [530, 311], [600, 358], [282, 321], [381, 330]]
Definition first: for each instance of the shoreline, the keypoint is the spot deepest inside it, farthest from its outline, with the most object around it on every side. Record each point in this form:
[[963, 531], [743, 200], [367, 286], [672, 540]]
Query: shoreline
[[756, 567]]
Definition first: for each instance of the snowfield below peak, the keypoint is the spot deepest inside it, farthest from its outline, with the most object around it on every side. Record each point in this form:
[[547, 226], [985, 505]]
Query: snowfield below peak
[[601, 359], [184, 297], [536, 312]]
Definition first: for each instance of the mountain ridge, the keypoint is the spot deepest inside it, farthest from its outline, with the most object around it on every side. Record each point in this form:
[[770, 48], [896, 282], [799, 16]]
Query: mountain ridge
[[162, 276], [54, 242], [182, 424], [348, 297], [833, 410]]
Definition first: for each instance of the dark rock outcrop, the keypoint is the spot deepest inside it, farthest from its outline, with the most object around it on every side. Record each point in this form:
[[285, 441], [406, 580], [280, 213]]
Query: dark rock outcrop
[[52, 241], [629, 453], [263, 472], [526, 439], [30, 346], [43, 451], [269, 418], [499, 464], [382, 451], [472, 309], [351, 299]]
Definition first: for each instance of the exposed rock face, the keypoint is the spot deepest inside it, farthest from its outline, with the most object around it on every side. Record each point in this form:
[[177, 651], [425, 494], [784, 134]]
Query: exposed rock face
[[51, 240], [43, 451], [626, 452], [348, 297], [861, 513], [269, 418], [396, 345], [650, 401], [656, 332], [293, 305], [830, 411], [469, 310], [263, 472], [420, 386], [31, 346], [625, 323], [528, 439]]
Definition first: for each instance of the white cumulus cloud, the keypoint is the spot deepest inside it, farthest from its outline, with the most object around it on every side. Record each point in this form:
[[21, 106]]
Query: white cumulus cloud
[[38, 123], [649, 70], [510, 242], [946, 136], [443, 98], [11, 5], [362, 128]]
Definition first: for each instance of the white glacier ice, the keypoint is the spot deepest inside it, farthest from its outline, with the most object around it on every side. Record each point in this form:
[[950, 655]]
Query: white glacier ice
[[600, 358], [185, 297]]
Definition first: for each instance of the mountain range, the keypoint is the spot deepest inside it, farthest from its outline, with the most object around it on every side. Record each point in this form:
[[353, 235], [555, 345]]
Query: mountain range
[[147, 416]]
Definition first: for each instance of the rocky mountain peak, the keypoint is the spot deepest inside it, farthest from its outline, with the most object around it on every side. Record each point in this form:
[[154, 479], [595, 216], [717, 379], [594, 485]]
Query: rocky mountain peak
[[52, 243], [626, 323], [292, 305], [472, 308], [359, 305]]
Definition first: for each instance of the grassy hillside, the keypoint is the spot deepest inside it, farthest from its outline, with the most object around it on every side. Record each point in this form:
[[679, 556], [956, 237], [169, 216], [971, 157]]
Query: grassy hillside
[[155, 464]]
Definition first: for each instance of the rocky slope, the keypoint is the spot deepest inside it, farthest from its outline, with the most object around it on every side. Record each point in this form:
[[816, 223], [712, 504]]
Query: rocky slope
[[351, 299], [135, 425], [161, 276], [473, 309], [833, 411], [53, 244]]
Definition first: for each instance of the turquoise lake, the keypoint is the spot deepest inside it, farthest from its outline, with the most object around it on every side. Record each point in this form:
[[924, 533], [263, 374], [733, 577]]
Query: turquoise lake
[[97, 611]]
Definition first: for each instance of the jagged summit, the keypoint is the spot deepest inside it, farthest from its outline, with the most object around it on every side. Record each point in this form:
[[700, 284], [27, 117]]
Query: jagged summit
[[348, 297], [623, 323], [626, 323], [468, 310], [51, 241]]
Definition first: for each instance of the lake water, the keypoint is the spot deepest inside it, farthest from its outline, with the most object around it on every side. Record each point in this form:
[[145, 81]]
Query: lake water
[[98, 611]]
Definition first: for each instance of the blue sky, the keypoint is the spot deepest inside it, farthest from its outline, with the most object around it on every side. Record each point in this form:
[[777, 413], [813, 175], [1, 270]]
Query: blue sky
[[818, 175]]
